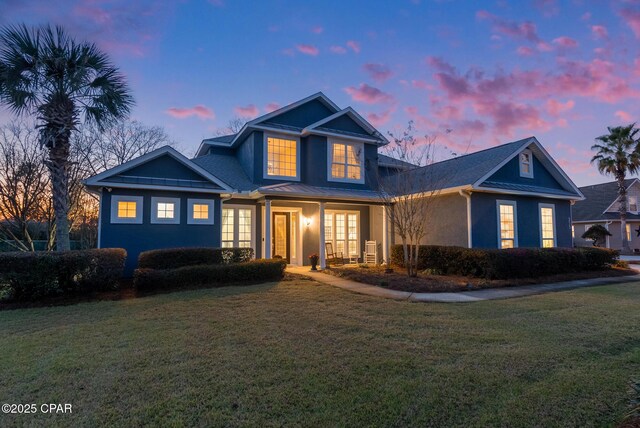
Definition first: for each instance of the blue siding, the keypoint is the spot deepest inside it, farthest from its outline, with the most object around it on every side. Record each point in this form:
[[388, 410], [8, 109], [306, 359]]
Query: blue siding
[[345, 123], [136, 238], [304, 115], [164, 167], [246, 154], [510, 173], [484, 217]]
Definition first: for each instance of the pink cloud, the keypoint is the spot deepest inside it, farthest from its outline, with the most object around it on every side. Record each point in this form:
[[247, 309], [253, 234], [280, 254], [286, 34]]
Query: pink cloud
[[565, 42], [555, 108], [378, 72], [199, 111], [586, 16], [338, 50], [354, 46], [599, 31], [249, 111], [439, 64], [547, 7], [317, 29], [368, 94], [524, 51], [379, 119], [632, 18], [308, 49], [624, 116], [271, 107], [526, 30]]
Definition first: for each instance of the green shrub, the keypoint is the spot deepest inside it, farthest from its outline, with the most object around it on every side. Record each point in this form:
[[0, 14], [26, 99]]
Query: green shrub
[[209, 275], [171, 258], [509, 263], [32, 276]]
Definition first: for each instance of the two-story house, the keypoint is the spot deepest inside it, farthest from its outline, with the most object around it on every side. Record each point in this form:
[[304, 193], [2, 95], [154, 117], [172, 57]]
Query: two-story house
[[307, 174]]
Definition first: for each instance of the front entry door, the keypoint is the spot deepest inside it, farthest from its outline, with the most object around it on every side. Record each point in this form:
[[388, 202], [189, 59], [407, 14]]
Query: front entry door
[[281, 236]]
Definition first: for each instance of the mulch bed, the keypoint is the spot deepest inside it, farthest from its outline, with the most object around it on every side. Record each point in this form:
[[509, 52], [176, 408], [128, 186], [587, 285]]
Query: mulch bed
[[423, 283]]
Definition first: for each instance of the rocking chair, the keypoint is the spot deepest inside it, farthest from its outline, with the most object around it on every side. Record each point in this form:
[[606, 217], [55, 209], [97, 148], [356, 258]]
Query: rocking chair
[[333, 258]]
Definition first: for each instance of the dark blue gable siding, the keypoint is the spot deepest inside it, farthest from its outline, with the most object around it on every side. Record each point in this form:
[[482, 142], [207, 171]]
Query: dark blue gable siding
[[136, 238], [163, 167], [302, 116], [246, 154], [345, 123], [510, 173], [484, 218]]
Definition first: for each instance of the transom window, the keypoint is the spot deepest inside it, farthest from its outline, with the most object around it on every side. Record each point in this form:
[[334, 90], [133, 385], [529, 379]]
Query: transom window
[[237, 227], [165, 210], [507, 224], [345, 161], [282, 157], [127, 209], [547, 226], [526, 164], [342, 230]]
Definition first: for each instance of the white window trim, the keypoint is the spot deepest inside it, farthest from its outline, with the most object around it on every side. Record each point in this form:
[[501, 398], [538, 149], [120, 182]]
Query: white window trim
[[209, 202], [123, 198], [520, 163], [515, 221], [265, 156], [154, 210], [346, 225], [330, 143], [236, 225], [629, 204], [553, 216]]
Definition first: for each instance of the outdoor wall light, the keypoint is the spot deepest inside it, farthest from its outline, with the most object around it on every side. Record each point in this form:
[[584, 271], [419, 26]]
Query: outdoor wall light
[[307, 221]]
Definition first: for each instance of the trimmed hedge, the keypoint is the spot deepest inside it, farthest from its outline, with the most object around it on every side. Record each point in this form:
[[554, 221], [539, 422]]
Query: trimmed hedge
[[32, 276], [209, 275], [171, 258], [509, 263]]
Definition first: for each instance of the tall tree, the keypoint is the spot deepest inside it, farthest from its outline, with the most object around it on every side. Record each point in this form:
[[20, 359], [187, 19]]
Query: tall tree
[[46, 73], [618, 154]]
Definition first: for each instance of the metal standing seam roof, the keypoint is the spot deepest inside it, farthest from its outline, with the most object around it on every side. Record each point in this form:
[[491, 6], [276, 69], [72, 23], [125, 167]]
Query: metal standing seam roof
[[598, 197], [297, 189]]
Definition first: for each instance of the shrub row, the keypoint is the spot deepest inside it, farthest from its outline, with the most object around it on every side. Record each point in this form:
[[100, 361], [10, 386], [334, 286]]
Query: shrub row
[[509, 263], [209, 274], [31, 276], [171, 258]]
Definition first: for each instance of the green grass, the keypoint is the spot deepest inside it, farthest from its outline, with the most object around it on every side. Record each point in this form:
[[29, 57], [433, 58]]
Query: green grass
[[300, 353]]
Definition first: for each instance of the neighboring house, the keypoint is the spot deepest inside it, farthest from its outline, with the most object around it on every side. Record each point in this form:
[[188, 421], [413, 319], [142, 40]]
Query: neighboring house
[[307, 174], [600, 206]]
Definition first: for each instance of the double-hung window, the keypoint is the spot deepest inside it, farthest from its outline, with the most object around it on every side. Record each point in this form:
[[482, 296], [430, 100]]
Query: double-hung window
[[237, 227], [165, 210], [633, 204], [282, 156], [126, 209], [346, 162], [547, 226], [526, 164], [507, 224]]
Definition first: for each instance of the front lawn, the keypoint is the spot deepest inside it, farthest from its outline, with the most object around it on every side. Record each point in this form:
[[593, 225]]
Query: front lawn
[[426, 282], [304, 354]]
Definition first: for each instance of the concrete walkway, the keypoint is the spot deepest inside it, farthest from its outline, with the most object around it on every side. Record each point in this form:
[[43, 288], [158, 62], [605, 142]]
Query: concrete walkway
[[461, 296]]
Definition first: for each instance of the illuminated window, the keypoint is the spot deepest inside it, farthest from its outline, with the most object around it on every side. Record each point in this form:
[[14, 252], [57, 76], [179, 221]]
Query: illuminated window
[[342, 229], [200, 211], [165, 210], [345, 162], [126, 209], [526, 164], [237, 227], [282, 157], [547, 226], [628, 227], [507, 224]]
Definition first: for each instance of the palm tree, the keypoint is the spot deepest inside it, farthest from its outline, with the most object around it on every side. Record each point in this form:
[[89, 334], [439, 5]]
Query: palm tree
[[46, 73], [617, 154]]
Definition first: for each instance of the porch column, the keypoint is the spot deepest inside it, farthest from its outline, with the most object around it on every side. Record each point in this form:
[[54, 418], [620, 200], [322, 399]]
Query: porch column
[[323, 262], [385, 234], [267, 229]]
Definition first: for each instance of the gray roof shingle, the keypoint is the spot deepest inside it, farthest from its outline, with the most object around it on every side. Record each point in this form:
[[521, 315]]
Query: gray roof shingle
[[226, 168], [221, 139], [598, 197]]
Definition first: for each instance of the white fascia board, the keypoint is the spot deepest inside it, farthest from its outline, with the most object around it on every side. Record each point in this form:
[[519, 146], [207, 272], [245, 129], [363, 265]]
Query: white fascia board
[[116, 185]]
